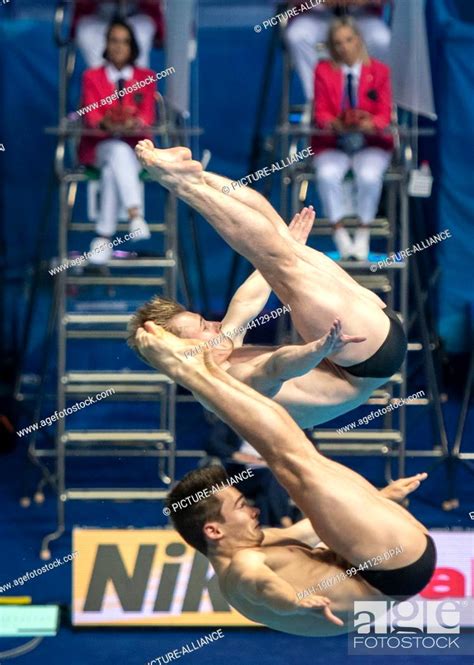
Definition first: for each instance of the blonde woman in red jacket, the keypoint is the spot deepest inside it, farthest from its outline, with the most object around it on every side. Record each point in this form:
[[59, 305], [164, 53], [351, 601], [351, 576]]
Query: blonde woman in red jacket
[[352, 97], [309, 28], [115, 97]]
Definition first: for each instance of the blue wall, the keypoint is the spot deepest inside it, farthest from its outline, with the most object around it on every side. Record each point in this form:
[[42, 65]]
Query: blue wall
[[453, 42]]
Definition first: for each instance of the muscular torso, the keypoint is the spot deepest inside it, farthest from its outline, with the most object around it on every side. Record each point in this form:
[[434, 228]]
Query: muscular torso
[[322, 394], [303, 567]]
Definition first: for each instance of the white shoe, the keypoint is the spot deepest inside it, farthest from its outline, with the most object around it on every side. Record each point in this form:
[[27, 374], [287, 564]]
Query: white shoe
[[307, 115], [360, 248], [343, 242], [100, 251], [139, 229]]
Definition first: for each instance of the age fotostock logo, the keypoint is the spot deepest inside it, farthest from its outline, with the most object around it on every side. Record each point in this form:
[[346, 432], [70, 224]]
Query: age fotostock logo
[[421, 626]]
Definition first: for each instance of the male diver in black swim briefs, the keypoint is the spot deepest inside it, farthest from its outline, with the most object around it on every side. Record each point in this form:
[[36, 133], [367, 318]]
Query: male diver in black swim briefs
[[329, 373], [275, 576]]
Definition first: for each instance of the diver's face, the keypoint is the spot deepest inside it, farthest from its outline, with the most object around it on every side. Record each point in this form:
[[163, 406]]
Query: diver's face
[[241, 523], [188, 325]]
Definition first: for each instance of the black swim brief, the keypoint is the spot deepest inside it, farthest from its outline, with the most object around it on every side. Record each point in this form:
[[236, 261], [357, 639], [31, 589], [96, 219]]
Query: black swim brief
[[387, 360], [403, 583]]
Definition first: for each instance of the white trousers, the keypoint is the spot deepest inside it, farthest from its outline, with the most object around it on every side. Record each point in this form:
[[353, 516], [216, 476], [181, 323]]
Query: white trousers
[[307, 30], [90, 37], [368, 165], [119, 183]]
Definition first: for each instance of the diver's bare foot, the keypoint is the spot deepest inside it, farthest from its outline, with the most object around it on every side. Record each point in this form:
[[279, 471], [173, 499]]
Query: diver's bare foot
[[399, 489], [168, 353], [171, 167], [177, 154]]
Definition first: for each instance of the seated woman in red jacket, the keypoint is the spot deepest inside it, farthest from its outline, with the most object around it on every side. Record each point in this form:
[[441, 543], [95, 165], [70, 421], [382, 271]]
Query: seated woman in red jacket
[[352, 97], [91, 18], [125, 99]]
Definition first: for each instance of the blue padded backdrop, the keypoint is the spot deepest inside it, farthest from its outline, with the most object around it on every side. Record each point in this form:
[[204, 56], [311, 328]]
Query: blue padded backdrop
[[453, 43]]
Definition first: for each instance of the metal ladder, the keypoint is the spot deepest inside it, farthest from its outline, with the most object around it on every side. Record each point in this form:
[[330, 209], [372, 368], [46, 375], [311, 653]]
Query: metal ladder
[[101, 327]]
